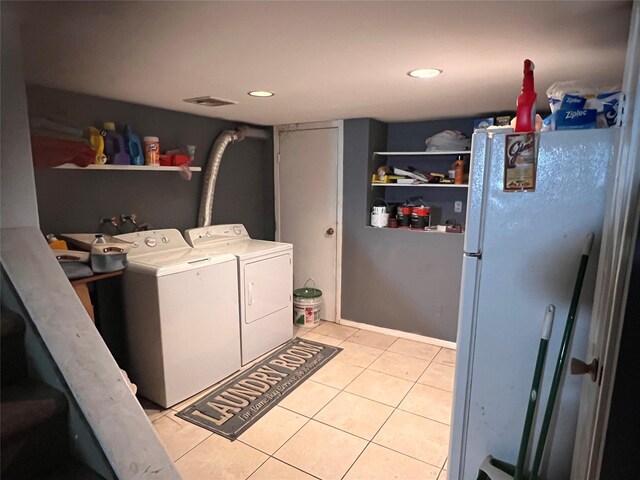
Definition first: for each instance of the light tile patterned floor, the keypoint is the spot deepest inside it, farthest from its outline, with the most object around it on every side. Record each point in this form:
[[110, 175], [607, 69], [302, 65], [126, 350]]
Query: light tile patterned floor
[[379, 410]]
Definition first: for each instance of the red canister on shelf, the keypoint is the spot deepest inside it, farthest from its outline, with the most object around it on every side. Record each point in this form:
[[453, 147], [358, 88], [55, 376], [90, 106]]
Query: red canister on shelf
[[421, 217], [403, 215]]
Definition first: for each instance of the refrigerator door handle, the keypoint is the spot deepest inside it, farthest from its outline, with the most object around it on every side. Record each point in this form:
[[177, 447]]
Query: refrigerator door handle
[[477, 255]]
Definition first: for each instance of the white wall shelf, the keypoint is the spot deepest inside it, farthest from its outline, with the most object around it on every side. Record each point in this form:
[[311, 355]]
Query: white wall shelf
[[421, 185], [415, 230], [146, 168], [399, 154]]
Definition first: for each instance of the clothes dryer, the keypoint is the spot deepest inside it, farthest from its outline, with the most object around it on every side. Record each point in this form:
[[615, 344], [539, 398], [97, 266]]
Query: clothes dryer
[[265, 284], [182, 314]]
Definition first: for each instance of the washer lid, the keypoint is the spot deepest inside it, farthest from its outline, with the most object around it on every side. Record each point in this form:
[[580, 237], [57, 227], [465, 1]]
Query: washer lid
[[176, 261]]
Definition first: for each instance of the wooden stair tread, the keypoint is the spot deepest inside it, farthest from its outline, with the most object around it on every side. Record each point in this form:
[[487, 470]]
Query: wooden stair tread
[[27, 404]]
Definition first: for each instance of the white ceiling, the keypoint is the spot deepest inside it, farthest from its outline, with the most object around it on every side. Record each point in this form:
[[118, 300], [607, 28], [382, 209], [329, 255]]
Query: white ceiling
[[323, 59]]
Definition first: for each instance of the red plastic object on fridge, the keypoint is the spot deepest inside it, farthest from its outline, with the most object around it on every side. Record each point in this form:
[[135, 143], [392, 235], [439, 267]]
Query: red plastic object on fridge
[[526, 104]]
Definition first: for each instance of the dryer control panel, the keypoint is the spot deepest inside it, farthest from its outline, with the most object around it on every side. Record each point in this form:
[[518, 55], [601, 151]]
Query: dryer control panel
[[153, 241], [197, 237]]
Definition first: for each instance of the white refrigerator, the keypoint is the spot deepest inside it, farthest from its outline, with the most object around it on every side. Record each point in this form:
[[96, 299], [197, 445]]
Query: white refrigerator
[[521, 253]]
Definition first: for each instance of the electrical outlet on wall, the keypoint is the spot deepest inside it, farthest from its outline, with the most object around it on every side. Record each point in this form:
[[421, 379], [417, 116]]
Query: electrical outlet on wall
[[457, 206]]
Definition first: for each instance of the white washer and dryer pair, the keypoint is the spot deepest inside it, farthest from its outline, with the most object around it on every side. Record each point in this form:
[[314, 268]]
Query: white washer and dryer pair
[[265, 284], [182, 311]]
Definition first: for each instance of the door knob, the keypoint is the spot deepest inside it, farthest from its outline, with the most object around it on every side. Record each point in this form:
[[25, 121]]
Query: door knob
[[330, 231], [578, 367]]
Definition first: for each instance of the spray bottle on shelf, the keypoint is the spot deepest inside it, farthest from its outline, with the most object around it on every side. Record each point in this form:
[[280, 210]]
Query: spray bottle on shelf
[[114, 145], [526, 104], [458, 167]]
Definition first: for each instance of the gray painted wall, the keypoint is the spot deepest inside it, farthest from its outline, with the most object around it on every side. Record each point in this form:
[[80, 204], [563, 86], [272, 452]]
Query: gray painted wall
[[396, 279], [74, 200], [17, 186]]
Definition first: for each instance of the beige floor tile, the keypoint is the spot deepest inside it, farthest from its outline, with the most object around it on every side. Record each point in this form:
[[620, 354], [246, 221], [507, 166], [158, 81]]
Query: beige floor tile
[[300, 331], [446, 356], [359, 355], [218, 458], [438, 375], [380, 387], [270, 432], [309, 398], [379, 463], [178, 436], [443, 475], [322, 451], [353, 414], [334, 330], [398, 365], [372, 339], [274, 469], [416, 436], [337, 374], [315, 337], [429, 402], [153, 410], [422, 350]]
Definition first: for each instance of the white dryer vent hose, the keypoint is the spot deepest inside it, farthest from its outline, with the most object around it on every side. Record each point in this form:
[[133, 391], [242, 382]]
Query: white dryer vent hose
[[213, 165]]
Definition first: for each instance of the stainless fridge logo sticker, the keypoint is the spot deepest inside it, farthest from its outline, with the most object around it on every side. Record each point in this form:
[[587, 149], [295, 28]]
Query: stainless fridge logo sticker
[[520, 162]]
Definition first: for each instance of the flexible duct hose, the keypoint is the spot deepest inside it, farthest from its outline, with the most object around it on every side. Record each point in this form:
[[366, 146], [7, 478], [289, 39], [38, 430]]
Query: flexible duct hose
[[213, 165], [210, 176]]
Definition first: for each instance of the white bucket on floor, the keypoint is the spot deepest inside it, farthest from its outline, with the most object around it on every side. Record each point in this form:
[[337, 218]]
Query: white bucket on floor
[[306, 306]]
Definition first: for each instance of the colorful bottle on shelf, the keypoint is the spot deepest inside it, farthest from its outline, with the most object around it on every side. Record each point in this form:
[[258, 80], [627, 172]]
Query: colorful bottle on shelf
[[133, 146], [526, 104], [114, 147], [96, 141], [458, 168]]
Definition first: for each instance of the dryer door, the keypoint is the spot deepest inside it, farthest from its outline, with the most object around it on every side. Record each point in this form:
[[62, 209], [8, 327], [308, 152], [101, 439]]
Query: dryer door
[[267, 286]]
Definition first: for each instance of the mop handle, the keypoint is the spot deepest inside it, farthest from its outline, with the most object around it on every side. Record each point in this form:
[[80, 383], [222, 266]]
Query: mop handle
[[557, 374], [535, 386]]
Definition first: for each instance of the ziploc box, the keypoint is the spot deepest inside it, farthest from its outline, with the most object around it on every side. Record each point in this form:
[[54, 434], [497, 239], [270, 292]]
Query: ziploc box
[[575, 119], [481, 123]]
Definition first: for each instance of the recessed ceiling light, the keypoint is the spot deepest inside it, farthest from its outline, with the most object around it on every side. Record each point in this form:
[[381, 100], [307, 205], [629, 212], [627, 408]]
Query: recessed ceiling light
[[261, 93], [425, 72]]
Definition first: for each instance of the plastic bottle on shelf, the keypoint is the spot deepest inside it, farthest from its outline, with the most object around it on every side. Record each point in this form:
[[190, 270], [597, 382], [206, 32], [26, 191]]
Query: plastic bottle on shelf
[[114, 147], [526, 104], [133, 146], [458, 168], [97, 145]]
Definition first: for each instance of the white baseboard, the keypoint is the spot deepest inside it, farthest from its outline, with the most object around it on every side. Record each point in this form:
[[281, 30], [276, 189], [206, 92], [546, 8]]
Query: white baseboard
[[398, 333]]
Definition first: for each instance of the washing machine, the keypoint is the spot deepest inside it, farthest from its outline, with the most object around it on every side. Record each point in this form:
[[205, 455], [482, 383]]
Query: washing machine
[[265, 284], [182, 312]]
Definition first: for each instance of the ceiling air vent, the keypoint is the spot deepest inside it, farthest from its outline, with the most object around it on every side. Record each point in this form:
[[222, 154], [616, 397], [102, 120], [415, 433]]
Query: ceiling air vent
[[209, 101]]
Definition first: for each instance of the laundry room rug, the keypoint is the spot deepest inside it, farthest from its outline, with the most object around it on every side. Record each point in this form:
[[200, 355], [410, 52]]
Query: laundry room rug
[[233, 407]]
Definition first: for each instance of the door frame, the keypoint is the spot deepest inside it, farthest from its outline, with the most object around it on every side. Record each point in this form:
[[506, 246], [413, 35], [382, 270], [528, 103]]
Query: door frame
[[339, 124], [614, 267]]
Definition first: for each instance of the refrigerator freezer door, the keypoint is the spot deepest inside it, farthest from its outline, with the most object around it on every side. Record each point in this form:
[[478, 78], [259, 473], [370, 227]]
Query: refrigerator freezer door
[[531, 244], [473, 230]]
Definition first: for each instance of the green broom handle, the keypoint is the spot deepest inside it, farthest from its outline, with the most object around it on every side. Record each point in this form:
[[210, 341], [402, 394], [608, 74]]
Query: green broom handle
[[557, 375], [535, 386]]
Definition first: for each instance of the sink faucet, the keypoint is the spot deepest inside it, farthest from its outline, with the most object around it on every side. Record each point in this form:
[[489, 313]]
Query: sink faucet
[[113, 221], [130, 218]]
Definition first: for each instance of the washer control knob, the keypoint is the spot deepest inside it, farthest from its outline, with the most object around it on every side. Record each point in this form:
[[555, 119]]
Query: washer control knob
[[150, 241], [165, 239], [208, 234], [237, 230]]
